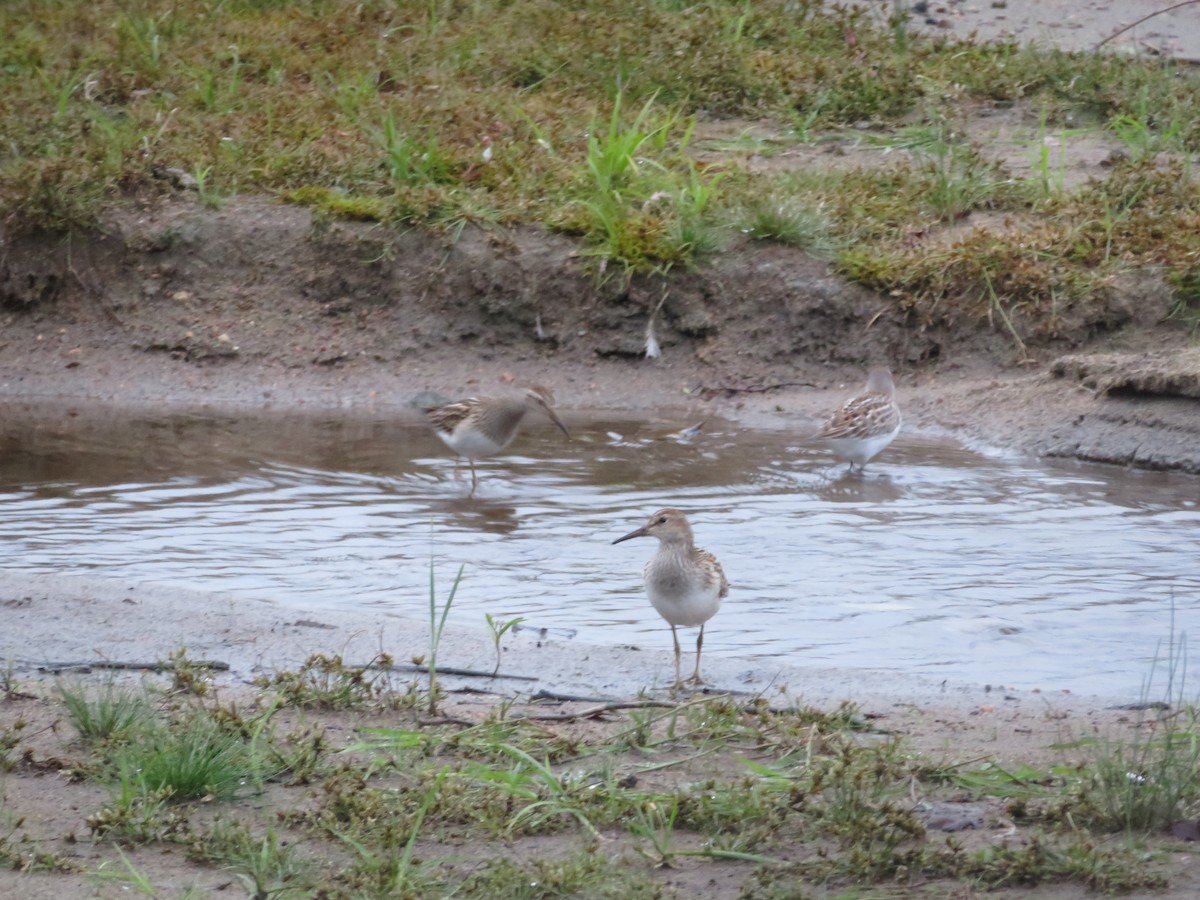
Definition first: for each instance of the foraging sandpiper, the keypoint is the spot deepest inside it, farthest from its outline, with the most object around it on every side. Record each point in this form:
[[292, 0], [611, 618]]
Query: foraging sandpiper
[[866, 423], [685, 584], [483, 426]]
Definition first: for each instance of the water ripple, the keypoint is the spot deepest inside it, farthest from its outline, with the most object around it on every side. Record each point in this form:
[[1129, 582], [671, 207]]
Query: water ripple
[[938, 561]]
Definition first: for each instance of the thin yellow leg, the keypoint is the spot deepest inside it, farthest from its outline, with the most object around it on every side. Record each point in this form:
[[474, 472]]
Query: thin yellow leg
[[696, 679], [678, 677]]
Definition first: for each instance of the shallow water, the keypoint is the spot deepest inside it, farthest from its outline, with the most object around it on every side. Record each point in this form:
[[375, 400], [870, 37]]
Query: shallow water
[[940, 561]]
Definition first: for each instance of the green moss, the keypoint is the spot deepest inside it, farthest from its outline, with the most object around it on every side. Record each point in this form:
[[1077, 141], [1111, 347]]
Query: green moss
[[340, 206]]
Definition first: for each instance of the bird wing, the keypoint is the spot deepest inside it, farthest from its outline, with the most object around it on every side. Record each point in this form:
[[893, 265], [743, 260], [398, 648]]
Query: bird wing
[[710, 563], [861, 417], [447, 417]]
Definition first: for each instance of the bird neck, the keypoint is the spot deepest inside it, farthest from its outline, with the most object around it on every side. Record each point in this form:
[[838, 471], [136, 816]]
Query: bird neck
[[676, 545], [503, 419]]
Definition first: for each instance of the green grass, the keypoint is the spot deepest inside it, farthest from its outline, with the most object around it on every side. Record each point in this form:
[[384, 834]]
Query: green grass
[[292, 798], [193, 760], [112, 713], [790, 221], [326, 682], [510, 113], [1151, 781], [266, 865], [437, 625]]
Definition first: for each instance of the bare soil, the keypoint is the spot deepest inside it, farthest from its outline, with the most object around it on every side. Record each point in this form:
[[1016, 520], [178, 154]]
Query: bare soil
[[256, 305]]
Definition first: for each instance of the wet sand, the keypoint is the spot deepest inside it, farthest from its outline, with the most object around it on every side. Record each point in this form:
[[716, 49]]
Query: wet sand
[[59, 619], [1071, 25]]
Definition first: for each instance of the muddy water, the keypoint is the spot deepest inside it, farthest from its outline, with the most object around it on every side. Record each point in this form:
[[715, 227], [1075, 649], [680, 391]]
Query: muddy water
[[940, 561]]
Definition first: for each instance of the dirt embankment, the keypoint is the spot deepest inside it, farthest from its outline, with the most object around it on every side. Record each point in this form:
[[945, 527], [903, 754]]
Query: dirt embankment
[[257, 304]]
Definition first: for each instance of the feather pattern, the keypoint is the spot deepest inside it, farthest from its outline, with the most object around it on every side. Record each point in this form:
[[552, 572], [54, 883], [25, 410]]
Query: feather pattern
[[483, 426], [866, 423], [685, 584]]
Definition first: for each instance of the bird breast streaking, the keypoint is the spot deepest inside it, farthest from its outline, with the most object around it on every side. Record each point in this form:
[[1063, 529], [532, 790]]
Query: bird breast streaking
[[684, 583]]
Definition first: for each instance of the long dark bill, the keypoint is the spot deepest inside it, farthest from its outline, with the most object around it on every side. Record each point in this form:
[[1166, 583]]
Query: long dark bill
[[641, 532]]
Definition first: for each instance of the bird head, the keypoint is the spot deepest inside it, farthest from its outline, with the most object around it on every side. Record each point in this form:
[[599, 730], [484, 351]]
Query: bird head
[[879, 381], [668, 525], [538, 397]]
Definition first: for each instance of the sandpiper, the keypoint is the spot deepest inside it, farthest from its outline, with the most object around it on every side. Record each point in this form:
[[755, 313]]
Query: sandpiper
[[483, 426], [685, 584], [866, 423]]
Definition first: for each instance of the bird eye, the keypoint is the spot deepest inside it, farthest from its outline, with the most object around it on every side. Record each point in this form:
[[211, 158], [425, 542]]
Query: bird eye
[[662, 520]]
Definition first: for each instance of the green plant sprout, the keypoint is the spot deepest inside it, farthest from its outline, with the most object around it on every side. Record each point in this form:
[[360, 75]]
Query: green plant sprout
[[498, 628], [437, 625]]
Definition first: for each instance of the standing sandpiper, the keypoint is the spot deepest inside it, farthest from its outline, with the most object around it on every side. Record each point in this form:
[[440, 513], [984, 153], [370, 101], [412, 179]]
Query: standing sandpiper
[[685, 584], [483, 426], [866, 423]]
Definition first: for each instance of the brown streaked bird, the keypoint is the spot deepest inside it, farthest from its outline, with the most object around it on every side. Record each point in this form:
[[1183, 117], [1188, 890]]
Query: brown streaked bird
[[685, 584], [483, 426], [866, 423]]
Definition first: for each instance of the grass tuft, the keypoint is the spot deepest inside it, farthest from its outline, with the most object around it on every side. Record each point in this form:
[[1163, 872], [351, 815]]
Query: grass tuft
[[192, 761], [113, 714]]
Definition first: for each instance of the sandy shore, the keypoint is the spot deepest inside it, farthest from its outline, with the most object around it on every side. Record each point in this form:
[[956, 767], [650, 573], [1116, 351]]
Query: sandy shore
[[52, 624], [45, 619], [1125, 26], [1027, 411]]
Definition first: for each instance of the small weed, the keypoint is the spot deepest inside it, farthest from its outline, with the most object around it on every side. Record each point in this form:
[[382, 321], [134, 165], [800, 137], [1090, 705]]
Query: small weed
[[115, 714], [204, 188], [1152, 781], [636, 210], [613, 153], [326, 682], [694, 233], [8, 682], [266, 867], [10, 738], [1144, 785], [138, 816], [551, 795], [128, 875], [437, 625], [1186, 308], [1136, 130], [498, 629], [413, 161], [388, 873], [792, 222], [654, 831], [299, 756], [959, 182], [190, 761], [1051, 174], [188, 676], [802, 124]]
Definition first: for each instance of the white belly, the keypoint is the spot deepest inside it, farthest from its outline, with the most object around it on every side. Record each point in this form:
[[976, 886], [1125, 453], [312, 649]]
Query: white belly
[[860, 450], [683, 604], [471, 443]]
